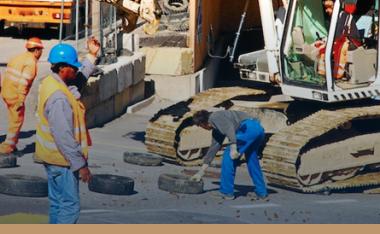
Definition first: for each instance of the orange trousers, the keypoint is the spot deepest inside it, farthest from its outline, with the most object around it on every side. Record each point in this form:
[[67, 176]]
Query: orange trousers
[[16, 115]]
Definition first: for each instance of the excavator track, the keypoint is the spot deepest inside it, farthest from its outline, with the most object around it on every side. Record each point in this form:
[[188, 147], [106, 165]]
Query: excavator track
[[288, 162], [170, 132]]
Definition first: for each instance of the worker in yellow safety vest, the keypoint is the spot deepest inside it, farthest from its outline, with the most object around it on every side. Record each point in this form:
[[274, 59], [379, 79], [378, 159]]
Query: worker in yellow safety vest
[[19, 76], [62, 138]]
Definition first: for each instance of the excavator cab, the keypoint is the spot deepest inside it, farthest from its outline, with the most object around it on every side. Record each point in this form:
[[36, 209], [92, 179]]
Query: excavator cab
[[329, 50]]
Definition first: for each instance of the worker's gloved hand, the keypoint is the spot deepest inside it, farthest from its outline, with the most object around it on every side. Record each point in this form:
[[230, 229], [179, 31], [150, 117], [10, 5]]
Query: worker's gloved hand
[[234, 153], [85, 174], [198, 176]]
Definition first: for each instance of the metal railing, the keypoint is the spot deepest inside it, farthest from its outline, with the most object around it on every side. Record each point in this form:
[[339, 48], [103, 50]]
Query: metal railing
[[102, 22]]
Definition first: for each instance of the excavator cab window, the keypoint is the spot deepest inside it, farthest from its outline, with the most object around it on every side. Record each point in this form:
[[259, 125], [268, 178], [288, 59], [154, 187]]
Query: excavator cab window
[[305, 44], [354, 55]]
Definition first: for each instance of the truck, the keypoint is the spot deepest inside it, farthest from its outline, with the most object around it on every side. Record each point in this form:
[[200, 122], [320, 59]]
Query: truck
[[39, 13], [324, 135]]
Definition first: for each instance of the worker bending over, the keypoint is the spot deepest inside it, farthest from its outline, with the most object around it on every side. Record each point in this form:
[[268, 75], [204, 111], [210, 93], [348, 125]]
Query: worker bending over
[[245, 136], [19, 76], [62, 140]]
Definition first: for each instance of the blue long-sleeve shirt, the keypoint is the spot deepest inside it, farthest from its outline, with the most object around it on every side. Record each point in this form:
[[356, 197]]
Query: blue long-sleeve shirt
[[59, 114]]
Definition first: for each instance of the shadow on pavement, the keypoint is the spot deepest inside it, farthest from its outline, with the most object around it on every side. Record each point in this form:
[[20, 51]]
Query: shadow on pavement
[[137, 136], [31, 148], [23, 135], [243, 190]]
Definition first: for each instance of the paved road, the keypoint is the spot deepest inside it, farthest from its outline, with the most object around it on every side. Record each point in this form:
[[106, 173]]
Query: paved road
[[151, 205]]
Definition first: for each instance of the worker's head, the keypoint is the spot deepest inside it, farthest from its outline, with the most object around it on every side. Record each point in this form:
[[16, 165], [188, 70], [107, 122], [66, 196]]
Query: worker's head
[[64, 61], [200, 118], [34, 45], [329, 6]]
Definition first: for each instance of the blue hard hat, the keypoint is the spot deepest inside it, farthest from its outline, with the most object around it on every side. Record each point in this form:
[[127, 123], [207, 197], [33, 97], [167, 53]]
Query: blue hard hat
[[64, 53]]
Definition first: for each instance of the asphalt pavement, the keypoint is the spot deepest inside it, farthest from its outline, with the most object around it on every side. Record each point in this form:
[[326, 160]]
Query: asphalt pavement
[[148, 204]]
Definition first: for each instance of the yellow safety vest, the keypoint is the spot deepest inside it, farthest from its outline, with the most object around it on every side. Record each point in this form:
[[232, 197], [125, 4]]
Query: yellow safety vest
[[19, 76], [46, 148]]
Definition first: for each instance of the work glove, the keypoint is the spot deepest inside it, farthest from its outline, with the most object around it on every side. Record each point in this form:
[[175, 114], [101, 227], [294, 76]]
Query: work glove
[[234, 153], [198, 176]]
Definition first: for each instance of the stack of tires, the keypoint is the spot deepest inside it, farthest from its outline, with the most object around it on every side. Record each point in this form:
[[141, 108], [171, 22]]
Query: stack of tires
[[176, 15]]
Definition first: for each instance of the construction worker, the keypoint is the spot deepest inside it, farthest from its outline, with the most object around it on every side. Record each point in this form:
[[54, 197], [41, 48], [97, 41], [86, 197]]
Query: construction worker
[[19, 76], [245, 136], [62, 139]]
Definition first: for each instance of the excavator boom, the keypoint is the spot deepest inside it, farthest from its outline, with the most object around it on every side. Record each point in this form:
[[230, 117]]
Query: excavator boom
[[131, 10]]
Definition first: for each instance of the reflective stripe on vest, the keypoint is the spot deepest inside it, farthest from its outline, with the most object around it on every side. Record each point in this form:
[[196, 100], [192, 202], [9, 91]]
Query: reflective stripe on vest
[[46, 148], [18, 77]]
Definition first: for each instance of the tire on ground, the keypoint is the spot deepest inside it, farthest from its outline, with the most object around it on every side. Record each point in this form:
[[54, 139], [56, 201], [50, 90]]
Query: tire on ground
[[179, 184], [8, 160], [142, 159], [23, 186], [176, 6], [111, 184]]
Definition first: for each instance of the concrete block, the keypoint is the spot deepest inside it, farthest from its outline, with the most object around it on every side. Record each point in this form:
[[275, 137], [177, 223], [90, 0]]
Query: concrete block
[[90, 93], [125, 77], [176, 88], [122, 100], [168, 60], [101, 114], [138, 92], [90, 119], [139, 70], [90, 101], [108, 85], [92, 86]]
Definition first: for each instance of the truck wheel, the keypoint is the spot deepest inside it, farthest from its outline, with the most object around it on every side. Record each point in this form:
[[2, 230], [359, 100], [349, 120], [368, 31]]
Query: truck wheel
[[8, 160], [142, 159], [176, 6], [111, 184], [23, 186], [179, 184]]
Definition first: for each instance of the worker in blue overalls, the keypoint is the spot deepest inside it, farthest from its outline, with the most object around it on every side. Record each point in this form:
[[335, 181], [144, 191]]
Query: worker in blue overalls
[[245, 136]]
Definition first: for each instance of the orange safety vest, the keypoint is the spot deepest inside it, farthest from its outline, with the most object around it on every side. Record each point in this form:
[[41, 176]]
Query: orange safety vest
[[46, 148], [341, 47], [321, 66], [19, 76]]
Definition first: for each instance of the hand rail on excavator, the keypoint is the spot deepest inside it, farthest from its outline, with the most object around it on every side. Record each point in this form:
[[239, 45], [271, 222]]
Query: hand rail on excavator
[[230, 51]]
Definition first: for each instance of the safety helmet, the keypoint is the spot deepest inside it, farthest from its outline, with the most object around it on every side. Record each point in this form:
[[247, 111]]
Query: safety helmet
[[64, 53], [34, 42]]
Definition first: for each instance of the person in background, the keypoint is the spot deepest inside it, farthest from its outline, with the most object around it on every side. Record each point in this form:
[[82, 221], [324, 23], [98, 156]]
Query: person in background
[[20, 73]]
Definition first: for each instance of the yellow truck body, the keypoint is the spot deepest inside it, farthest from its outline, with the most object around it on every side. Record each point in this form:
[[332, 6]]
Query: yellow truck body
[[35, 11]]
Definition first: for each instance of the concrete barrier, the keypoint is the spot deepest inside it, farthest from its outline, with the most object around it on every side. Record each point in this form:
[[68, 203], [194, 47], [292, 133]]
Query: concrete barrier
[[168, 61], [107, 96]]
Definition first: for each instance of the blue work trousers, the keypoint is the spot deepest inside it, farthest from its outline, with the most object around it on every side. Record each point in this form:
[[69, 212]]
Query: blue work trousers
[[63, 188], [249, 137]]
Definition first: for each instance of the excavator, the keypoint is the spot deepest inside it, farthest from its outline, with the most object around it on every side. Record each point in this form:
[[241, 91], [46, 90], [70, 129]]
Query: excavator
[[131, 10], [323, 134]]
